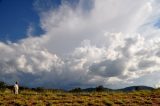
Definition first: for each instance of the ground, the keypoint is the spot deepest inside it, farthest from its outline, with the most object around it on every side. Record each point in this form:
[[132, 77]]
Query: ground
[[52, 98]]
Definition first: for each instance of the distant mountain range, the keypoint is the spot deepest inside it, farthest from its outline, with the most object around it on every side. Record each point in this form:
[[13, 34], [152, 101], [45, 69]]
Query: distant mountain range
[[127, 89], [3, 85], [135, 88]]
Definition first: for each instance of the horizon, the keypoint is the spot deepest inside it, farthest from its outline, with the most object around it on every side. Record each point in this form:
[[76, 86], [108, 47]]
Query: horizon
[[80, 43], [94, 87]]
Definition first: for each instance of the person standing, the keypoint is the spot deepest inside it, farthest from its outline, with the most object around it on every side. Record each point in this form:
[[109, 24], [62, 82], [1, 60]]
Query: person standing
[[16, 88]]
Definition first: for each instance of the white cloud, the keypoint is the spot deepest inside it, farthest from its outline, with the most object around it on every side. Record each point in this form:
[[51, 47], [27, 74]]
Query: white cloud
[[30, 30], [157, 85], [106, 45]]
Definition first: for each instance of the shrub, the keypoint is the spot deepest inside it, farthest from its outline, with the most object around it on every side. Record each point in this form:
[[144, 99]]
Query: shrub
[[2, 86], [40, 89], [100, 88], [76, 90]]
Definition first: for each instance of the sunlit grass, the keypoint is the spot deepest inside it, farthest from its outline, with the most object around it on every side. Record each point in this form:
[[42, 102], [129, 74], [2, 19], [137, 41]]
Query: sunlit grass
[[49, 98]]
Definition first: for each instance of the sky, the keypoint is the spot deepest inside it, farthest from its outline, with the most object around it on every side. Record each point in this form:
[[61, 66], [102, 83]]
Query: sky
[[80, 43]]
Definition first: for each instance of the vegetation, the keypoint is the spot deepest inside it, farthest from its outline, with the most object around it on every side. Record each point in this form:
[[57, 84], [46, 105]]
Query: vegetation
[[2, 86], [60, 98], [77, 97]]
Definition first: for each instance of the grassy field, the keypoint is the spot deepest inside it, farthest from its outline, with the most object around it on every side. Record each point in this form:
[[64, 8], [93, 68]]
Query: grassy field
[[49, 98]]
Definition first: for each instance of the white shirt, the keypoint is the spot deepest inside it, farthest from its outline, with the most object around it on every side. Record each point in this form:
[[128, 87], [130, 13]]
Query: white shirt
[[16, 86]]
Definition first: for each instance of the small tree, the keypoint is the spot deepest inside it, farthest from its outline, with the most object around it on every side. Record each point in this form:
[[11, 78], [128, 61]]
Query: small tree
[[40, 89], [76, 90], [2, 86], [100, 88]]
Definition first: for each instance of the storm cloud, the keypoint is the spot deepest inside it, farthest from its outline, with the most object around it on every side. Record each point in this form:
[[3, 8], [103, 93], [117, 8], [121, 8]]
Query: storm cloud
[[103, 42]]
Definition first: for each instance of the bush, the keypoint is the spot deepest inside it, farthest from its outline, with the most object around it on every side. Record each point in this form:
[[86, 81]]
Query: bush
[[76, 90], [40, 89], [100, 88], [2, 86]]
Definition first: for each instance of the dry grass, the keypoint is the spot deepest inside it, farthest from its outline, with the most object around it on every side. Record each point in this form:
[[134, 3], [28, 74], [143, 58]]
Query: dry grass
[[32, 98]]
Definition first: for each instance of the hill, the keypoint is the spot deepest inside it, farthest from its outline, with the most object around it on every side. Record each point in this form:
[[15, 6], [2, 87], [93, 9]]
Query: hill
[[101, 88], [135, 88]]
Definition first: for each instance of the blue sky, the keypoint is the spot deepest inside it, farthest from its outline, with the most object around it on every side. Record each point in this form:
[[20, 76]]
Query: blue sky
[[17, 15], [80, 43]]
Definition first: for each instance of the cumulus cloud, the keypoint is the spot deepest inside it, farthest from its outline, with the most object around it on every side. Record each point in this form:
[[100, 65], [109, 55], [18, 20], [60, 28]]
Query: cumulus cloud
[[94, 43], [157, 85]]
